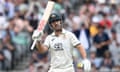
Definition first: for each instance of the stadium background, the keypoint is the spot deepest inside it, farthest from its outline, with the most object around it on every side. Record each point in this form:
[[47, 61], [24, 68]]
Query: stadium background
[[18, 19]]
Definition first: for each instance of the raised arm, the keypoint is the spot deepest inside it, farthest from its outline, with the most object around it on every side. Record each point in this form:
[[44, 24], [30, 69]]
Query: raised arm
[[41, 47]]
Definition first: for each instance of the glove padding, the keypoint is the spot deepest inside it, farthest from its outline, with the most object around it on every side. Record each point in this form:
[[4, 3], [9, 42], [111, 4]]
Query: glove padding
[[86, 65], [37, 35]]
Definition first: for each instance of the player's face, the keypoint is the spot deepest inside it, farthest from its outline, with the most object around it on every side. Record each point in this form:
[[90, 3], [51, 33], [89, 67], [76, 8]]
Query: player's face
[[56, 25]]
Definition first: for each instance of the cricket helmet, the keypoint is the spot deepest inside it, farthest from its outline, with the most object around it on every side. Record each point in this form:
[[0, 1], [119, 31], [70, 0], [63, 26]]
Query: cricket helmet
[[54, 17]]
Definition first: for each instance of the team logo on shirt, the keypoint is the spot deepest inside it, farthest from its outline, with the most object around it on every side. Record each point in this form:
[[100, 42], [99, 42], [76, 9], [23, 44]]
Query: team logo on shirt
[[53, 39], [58, 46]]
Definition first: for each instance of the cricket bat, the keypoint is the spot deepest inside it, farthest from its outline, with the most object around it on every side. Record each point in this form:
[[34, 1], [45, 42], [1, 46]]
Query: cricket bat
[[44, 19]]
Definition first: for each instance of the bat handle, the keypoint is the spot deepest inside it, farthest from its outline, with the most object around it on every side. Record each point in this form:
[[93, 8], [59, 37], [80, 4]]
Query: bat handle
[[33, 45]]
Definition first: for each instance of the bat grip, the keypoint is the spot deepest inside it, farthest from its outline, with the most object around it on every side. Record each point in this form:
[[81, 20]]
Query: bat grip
[[33, 45]]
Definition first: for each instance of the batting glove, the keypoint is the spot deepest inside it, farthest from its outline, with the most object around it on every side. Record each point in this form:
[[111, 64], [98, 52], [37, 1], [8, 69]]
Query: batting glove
[[37, 35], [86, 65]]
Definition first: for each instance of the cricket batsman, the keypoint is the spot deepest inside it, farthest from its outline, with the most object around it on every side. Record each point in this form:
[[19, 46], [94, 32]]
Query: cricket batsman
[[60, 45]]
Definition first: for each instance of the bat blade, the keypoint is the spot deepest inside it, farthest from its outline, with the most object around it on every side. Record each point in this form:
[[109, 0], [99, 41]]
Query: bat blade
[[46, 15], [44, 19]]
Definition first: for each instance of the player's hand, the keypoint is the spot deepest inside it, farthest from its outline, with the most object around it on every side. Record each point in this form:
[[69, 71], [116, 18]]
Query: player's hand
[[86, 65], [37, 35]]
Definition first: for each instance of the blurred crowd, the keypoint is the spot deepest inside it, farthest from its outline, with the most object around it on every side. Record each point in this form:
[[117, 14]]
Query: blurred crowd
[[96, 23], [15, 33]]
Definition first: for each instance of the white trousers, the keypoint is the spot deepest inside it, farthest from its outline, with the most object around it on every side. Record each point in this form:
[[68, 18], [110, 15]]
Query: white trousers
[[71, 69]]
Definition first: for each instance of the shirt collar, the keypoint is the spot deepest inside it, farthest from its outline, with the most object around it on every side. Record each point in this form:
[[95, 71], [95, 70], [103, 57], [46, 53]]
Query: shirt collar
[[63, 32]]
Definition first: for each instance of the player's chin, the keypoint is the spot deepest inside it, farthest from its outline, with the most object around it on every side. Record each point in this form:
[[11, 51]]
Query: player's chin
[[58, 29]]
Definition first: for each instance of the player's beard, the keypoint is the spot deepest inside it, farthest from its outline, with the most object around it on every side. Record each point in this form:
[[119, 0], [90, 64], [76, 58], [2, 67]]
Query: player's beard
[[58, 30]]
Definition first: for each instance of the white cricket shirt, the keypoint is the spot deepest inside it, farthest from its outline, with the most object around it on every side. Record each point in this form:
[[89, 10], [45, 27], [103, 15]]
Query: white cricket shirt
[[61, 48]]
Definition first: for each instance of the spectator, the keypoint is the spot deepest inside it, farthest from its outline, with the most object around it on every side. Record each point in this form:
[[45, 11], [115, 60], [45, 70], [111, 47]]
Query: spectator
[[40, 61], [93, 27], [44, 62], [35, 57], [9, 8], [58, 7], [3, 25], [101, 42], [69, 21], [114, 37], [34, 16], [114, 47], [106, 22], [116, 20], [107, 60], [9, 52], [83, 35], [95, 60], [116, 17], [68, 6], [20, 38]]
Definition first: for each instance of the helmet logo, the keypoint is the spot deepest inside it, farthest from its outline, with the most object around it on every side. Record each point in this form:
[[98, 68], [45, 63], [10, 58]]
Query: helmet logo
[[53, 16]]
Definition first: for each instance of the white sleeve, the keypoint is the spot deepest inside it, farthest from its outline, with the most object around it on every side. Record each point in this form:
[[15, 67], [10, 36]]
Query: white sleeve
[[74, 40], [47, 41]]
